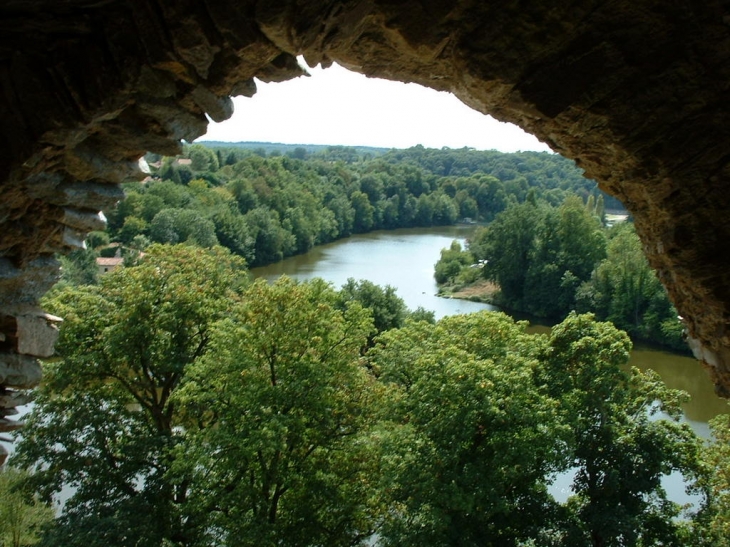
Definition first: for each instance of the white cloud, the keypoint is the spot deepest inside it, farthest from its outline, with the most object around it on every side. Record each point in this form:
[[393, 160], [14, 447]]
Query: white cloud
[[336, 106]]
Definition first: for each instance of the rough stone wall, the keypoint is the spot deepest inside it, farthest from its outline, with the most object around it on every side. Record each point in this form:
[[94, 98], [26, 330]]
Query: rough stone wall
[[636, 91]]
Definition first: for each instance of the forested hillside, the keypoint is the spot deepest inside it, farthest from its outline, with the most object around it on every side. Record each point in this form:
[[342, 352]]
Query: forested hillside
[[266, 206]]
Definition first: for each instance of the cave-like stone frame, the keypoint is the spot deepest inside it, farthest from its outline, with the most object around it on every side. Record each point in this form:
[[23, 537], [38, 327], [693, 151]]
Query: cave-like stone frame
[[636, 91]]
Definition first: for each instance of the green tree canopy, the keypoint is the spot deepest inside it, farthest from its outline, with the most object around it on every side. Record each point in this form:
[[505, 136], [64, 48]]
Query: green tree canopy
[[472, 441], [22, 515], [279, 416], [620, 445], [104, 423]]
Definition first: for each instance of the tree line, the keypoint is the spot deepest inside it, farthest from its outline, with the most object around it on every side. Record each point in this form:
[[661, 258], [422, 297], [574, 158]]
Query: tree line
[[548, 260], [267, 206], [189, 406]]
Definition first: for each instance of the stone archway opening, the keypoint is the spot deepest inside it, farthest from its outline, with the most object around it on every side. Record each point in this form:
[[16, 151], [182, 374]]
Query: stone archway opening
[[339, 107], [635, 92]]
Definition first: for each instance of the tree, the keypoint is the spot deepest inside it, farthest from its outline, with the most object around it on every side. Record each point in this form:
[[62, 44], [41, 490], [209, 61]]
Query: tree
[[539, 254], [582, 241], [713, 524], [472, 440], [623, 289], [452, 261], [569, 243], [271, 242], [133, 226], [79, 267], [279, 417], [387, 308], [620, 445], [364, 212], [203, 158], [22, 515], [163, 228], [507, 245], [104, 424]]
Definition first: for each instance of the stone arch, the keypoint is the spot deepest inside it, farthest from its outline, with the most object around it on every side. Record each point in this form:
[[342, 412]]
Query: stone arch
[[636, 91]]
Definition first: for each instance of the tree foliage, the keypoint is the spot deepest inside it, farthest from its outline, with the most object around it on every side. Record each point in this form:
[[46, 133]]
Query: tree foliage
[[619, 449], [268, 206], [22, 515], [713, 526], [539, 254], [550, 260], [190, 408], [482, 416], [280, 415], [624, 290], [104, 423], [472, 440]]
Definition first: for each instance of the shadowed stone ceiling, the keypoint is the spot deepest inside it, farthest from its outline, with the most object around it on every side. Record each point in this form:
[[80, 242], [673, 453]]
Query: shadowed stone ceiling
[[636, 91]]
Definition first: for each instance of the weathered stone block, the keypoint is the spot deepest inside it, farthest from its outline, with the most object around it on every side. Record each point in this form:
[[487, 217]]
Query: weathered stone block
[[87, 221], [11, 399], [19, 371], [26, 284], [218, 108], [6, 426], [37, 333]]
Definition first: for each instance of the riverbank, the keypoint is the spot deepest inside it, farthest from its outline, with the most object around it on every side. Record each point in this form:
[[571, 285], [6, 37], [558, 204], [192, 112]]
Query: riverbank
[[481, 290]]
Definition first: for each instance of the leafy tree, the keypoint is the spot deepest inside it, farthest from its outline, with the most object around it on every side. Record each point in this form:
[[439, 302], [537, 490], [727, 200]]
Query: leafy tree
[[271, 241], [233, 233], [468, 391], [451, 263], [104, 424], [133, 226], [22, 515], [582, 241], [624, 290], [569, 242], [445, 211], [472, 440], [424, 213], [79, 267], [364, 212], [387, 308], [620, 447], [169, 171], [163, 227], [713, 524], [507, 245], [203, 158], [279, 450], [97, 239], [539, 255]]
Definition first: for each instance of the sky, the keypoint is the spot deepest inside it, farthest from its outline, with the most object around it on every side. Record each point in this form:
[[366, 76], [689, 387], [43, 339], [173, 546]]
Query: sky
[[339, 107]]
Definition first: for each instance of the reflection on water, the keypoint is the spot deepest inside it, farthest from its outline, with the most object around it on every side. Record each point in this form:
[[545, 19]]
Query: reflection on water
[[680, 372]]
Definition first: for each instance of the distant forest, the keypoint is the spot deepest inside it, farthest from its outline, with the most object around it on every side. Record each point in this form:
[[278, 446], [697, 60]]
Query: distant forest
[[265, 202]]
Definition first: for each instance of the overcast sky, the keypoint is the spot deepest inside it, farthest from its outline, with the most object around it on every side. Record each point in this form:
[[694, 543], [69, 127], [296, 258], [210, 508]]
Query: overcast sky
[[336, 106]]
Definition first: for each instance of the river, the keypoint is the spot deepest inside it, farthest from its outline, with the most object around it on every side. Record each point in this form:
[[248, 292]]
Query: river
[[405, 259]]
